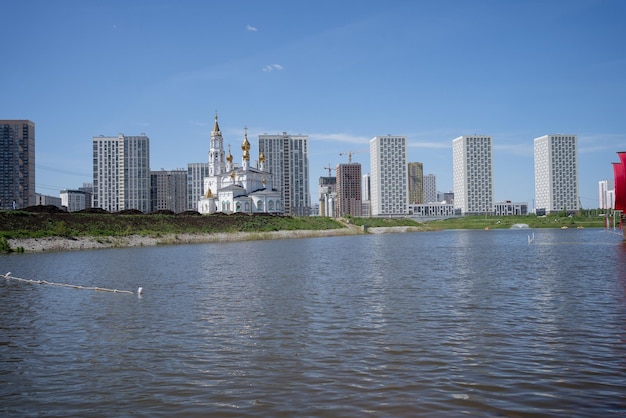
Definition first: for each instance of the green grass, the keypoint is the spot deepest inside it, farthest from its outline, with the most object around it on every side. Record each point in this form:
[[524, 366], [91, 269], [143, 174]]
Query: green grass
[[21, 224], [14, 224], [533, 221], [382, 222]]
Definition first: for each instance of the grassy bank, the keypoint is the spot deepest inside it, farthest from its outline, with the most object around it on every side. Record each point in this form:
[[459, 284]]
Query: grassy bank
[[25, 224], [46, 222], [44, 229], [50, 223], [533, 221]]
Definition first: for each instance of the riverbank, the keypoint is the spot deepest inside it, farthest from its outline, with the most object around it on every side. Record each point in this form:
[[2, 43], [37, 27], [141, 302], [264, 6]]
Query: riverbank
[[48, 229], [49, 244]]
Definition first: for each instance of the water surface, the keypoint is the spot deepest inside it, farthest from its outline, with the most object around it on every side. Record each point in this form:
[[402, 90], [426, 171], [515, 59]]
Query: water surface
[[452, 323]]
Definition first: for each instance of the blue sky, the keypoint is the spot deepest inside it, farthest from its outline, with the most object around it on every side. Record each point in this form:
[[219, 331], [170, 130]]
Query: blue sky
[[340, 71]]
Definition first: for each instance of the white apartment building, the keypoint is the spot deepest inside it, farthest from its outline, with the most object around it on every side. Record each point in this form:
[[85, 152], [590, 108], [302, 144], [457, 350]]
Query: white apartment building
[[389, 176], [74, 200], [606, 194], [366, 187], [430, 188], [287, 158], [121, 172], [556, 173], [196, 172], [473, 174], [366, 194]]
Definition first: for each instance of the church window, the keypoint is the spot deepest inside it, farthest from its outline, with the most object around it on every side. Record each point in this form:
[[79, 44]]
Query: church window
[[238, 207], [270, 205], [260, 206], [247, 206]]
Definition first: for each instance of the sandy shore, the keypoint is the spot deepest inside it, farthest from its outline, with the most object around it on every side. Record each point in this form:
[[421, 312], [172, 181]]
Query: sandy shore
[[90, 243]]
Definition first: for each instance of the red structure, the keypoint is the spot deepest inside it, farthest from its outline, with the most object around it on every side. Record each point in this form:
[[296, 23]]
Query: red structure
[[619, 177]]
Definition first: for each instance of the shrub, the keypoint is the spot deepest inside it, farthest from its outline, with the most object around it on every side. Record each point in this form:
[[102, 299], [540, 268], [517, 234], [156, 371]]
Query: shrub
[[61, 229], [4, 245]]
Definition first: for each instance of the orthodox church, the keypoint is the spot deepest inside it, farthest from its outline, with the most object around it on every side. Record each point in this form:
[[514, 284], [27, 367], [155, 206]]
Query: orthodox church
[[230, 188]]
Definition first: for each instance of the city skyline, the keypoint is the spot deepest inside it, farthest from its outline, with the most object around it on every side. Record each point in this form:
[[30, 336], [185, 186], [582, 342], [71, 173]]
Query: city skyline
[[351, 71]]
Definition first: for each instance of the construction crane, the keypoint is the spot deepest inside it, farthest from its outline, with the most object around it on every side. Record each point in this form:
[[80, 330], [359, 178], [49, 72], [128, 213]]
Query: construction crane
[[349, 154], [329, 168]]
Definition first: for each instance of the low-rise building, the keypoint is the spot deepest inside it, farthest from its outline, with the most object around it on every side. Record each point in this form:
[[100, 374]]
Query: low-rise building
[[45, 200], [432, 211], [75, 200], [507, 208]]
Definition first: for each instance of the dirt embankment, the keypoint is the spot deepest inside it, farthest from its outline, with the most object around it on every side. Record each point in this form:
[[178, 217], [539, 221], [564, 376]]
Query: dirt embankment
[[90, 243]]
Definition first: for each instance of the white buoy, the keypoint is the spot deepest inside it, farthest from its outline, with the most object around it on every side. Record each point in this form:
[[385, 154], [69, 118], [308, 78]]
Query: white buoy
[[139, 291]]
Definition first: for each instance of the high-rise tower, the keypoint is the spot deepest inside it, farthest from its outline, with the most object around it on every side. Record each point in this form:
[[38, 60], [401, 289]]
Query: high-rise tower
[[430, 188], [349, 189], [416, 182], [17, 164], [121, 173], [473, 174], [556, 173], [196, 172], [287, 158], [389, 176]]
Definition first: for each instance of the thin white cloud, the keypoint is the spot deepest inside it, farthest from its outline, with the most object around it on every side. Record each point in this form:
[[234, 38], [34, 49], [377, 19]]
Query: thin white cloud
[[364, 140], [272, 67], [593, 149], [250, 28], [590, 143], [341, 137], [424, 144]]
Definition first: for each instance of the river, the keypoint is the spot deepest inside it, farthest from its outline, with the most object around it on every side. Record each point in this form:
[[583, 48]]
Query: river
[[449, 323]]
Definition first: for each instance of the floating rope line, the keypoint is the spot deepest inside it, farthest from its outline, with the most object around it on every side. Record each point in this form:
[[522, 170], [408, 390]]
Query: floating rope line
[[101, 289]]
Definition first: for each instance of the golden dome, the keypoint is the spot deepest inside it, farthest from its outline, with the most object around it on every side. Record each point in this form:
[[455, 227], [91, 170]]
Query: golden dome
[[245, 146], [261, 157], [232, 174], [208, 193], [229, 157]]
